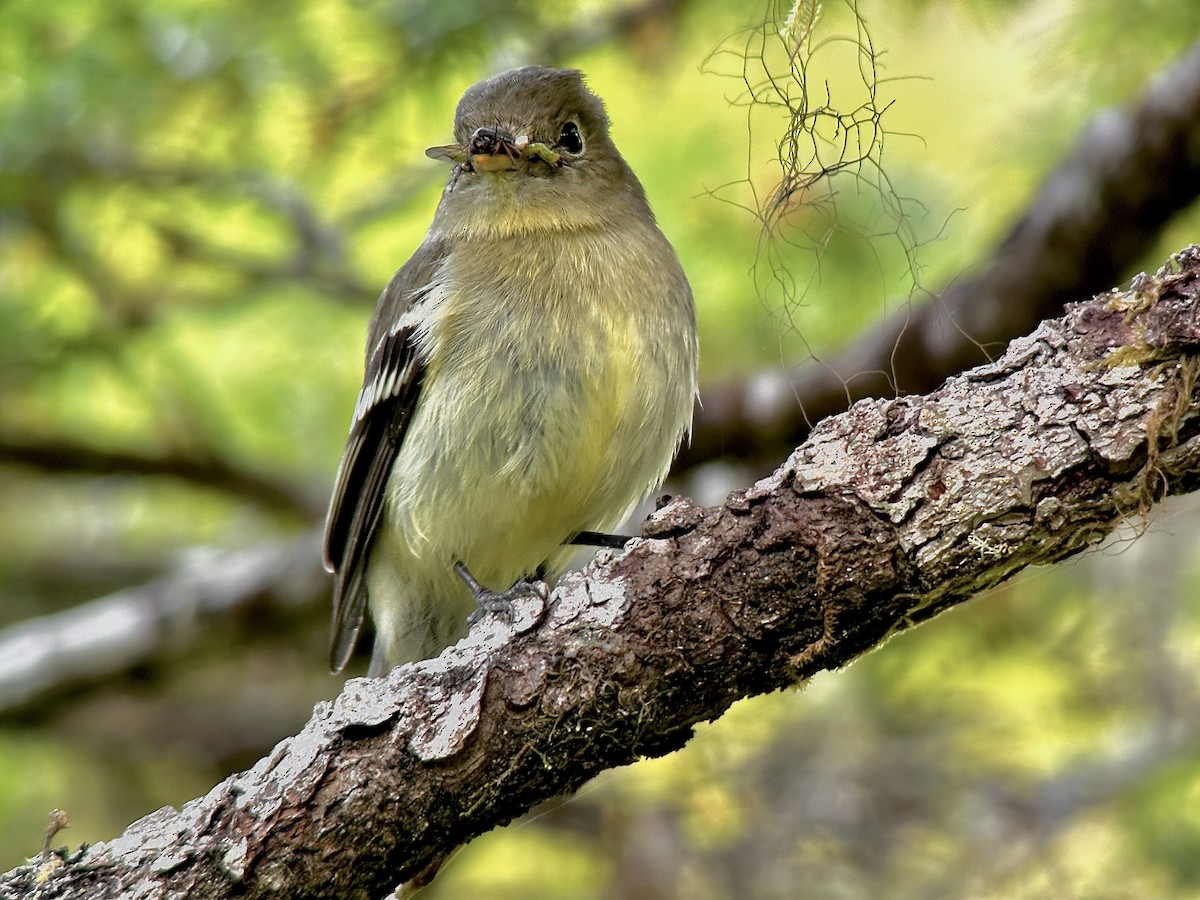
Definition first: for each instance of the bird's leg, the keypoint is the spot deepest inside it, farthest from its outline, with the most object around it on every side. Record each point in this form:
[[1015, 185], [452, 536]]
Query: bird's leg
[[498, 602], [501, 602], [600, 539]]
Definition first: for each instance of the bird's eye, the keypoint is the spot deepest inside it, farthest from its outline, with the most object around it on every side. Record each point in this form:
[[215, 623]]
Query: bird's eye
[[569, 139]]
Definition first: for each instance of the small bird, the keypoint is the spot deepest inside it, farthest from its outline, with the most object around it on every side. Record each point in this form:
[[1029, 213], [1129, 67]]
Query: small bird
[[530, 373]]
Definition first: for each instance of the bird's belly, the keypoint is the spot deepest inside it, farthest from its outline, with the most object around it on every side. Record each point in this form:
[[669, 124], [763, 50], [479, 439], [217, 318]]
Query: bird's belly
[[508, 457]]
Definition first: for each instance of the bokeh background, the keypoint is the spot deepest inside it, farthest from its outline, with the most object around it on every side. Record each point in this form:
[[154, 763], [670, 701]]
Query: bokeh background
[[199, 203]]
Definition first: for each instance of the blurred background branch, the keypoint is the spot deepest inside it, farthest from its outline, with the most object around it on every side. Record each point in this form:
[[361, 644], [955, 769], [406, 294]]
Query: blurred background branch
[[114, 635], [212, 471]]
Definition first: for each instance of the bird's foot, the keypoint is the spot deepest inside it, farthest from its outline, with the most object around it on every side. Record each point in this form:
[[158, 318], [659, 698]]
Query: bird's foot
[[498, 603]]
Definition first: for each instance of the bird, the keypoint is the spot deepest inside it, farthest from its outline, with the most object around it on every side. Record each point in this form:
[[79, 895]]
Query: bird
[[530, 373]]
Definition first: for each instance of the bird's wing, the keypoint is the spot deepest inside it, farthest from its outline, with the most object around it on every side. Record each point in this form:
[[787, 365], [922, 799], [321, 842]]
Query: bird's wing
[[391, 386]]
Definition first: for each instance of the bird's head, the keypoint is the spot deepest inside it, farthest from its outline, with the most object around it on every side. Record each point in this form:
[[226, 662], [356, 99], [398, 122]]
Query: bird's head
[[532, 146]]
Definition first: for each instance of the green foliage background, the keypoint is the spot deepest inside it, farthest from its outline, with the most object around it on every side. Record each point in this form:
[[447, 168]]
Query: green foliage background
[[199, 203]]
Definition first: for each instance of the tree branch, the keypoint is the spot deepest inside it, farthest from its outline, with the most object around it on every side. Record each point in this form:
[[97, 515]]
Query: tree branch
[[210, 470], [889, 514], [112, 634], [1093, 217]]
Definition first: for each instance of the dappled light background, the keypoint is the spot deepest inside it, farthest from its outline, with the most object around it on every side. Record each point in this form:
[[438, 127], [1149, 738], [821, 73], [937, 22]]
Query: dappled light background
[[199, 204]]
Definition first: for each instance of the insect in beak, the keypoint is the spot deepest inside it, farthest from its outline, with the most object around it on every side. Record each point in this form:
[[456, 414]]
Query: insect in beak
[[494, 150]]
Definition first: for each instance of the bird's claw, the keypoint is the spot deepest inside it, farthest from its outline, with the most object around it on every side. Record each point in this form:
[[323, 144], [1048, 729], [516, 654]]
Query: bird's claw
[[499, 603]]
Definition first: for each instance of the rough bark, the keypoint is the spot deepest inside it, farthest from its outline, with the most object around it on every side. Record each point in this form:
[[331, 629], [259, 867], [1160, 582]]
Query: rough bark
[[890, 513]]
